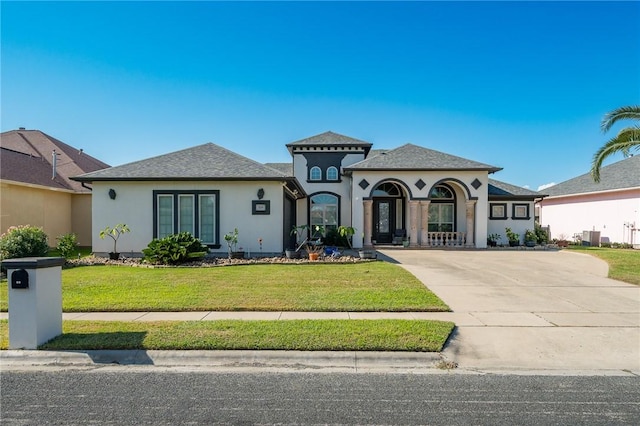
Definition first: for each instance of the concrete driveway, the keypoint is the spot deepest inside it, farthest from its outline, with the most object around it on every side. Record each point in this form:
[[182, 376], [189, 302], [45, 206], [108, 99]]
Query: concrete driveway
[[532, 310]]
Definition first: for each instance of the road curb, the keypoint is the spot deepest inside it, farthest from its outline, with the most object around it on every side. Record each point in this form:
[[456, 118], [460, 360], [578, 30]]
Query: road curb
[[342, 360]]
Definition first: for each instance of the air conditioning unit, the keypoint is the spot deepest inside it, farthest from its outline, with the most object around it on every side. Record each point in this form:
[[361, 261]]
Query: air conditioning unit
[[591, 238]]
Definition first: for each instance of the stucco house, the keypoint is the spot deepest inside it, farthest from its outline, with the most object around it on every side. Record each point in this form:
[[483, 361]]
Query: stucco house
[[611, 206], [432, 198], [35, 185]]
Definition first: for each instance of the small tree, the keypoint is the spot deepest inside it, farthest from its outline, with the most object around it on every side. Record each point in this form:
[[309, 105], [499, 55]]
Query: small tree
[[347, 232], [115, 233], [232, 240]]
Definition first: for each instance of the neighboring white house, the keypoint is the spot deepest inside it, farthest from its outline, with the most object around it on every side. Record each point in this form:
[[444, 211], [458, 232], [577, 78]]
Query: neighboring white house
[[611, 206], [426, 196]]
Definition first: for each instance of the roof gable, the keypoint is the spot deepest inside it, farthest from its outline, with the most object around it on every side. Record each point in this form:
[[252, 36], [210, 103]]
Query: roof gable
[[413, 157], [27, 156], [624, 174], [203, 162]]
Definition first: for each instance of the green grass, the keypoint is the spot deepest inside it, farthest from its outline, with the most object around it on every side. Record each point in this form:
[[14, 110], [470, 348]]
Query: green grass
[[624, 264], [78, 252], [310, 335], [373, 286]]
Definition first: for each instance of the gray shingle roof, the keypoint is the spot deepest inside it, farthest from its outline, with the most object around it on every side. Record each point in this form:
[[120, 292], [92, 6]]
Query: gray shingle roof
[[503, 190], [621, 175], [413, 157], [286, 168], [330, 139], [203, 162], [26, 156]]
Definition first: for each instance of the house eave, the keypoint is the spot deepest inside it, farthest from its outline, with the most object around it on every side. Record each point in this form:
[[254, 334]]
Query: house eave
[[420, 169], [515, 197], [581, 194], [181, 179], [43, 187]]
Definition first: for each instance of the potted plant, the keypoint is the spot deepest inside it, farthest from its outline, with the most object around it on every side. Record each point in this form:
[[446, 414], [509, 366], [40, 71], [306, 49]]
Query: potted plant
[[232, 242], [114, 233], [492, 240], [514, 239], [314, 248], [367, 254], [530, 238], [406, 241], [562, 241]]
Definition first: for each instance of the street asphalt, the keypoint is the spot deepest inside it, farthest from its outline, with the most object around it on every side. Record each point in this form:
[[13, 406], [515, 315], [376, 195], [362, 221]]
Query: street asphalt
[[516, 312]]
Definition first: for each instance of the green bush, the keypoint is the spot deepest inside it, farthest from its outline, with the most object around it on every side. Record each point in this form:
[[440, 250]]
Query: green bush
[[67, 244], [175, 249], [23, 241], [541, 235]]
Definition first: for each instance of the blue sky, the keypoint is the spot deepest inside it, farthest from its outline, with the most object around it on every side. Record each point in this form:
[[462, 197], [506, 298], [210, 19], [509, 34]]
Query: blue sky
[[518, 85]]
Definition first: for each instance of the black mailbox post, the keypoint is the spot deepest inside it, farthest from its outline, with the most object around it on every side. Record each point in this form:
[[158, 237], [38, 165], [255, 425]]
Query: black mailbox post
[[20, 279]]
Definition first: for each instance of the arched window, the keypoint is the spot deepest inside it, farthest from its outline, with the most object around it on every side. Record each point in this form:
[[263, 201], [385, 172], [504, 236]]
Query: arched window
[[323, 211], [315, 173], [442, 209], [387, 189], [332, 173]]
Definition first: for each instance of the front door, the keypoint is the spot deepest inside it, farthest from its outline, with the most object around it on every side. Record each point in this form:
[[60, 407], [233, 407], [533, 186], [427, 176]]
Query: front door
[[384, 220]]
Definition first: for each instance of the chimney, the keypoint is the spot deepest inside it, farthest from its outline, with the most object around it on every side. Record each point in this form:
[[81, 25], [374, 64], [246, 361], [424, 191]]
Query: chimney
[[54, 163]]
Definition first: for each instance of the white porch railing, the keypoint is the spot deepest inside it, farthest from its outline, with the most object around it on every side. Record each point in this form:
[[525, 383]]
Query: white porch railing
[[445, 239]]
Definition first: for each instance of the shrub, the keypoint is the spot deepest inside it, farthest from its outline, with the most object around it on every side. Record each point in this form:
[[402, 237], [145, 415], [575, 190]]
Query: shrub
[[175, 249], [23, 241], [67, 244], [541, 234]]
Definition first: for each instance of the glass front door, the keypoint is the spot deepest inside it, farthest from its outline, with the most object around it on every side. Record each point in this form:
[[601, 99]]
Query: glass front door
[[384, 220]]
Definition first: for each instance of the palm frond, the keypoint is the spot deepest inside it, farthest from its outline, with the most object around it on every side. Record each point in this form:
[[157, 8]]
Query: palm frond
[[627, 112], [626, 140]]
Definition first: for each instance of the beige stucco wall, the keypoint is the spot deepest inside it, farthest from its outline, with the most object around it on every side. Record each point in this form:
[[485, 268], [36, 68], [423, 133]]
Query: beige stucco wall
[[134, 206], [36, 206], [409, 178], [81, 218], [519, 226]]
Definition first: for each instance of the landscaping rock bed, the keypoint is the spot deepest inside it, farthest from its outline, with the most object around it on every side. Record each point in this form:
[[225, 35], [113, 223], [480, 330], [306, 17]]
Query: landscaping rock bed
[[211, 261]]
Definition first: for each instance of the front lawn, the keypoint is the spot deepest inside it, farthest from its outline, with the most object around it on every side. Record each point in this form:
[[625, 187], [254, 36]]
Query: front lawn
[[304, 335], [624, 264], [373, 286]]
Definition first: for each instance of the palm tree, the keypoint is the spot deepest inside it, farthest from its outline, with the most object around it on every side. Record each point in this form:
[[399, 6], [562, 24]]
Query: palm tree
[[626, 140]]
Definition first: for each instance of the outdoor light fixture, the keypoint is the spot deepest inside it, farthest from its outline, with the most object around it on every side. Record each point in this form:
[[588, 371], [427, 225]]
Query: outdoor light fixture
[[112, 194], [260, 193]]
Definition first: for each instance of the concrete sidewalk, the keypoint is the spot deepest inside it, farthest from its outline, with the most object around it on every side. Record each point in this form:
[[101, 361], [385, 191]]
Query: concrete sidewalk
[[253, 315]]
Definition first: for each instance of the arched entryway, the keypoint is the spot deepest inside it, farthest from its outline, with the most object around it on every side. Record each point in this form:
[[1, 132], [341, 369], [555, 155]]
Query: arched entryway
[[389, 218]]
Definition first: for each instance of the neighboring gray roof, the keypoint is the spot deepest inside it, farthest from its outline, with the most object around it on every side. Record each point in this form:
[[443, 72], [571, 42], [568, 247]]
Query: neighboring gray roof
[[503, 190], [621, 175], [27, 156], [203, 162], [286, 168], [413, 157]]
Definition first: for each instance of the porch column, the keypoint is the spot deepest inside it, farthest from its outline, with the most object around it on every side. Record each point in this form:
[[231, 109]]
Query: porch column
[[413, 220], [471, 220], [368, 221], [424, 236]]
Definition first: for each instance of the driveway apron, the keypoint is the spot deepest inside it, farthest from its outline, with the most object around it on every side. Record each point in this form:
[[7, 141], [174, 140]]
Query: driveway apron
[[531, 310]]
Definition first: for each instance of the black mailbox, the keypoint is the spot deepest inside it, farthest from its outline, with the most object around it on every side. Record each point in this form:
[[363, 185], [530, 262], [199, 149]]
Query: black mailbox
[[20, 279]]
